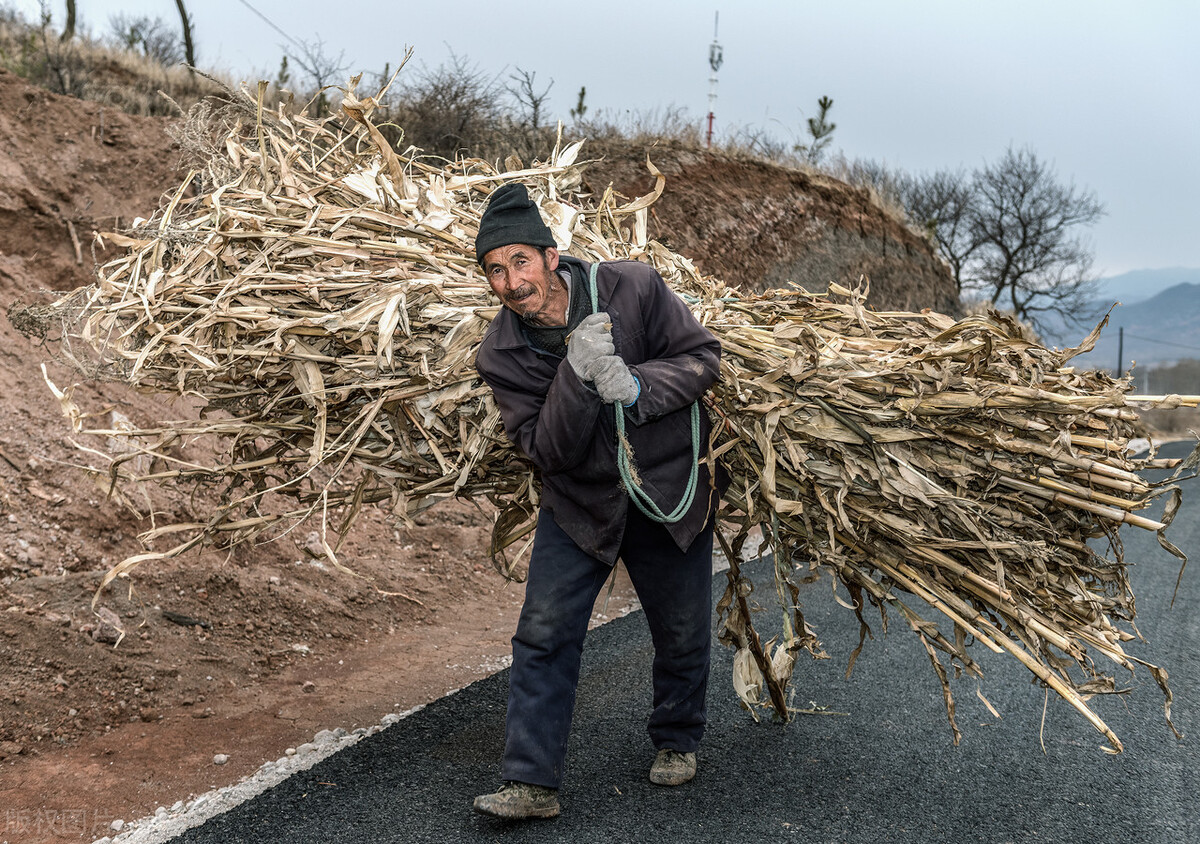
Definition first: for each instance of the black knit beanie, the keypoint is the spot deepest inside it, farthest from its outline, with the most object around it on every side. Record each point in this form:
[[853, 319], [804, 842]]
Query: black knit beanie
[[511, 217]]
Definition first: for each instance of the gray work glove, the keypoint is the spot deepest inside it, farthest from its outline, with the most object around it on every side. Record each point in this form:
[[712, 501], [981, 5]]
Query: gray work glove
[[614, 381], [590, 341]]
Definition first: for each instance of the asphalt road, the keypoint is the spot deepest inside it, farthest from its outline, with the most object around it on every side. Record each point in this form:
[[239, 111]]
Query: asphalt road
[[884, 771]]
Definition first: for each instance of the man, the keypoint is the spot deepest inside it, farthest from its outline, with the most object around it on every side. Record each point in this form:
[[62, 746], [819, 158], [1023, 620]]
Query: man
[[557, 370]]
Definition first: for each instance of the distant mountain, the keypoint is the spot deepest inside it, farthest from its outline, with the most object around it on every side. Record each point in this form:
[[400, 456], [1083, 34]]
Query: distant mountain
[[1162, 329], [1139, 285]]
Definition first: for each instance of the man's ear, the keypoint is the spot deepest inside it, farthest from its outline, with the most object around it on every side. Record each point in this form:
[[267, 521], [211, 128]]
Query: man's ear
[[551, 258]]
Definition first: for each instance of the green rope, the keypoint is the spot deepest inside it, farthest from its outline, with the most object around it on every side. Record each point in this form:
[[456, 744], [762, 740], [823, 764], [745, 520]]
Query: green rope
[[625, 462]]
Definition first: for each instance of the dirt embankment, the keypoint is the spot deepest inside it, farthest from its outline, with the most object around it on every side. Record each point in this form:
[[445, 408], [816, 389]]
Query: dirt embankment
[[758, 225], [242, 653], [249, 652], [67, 168]]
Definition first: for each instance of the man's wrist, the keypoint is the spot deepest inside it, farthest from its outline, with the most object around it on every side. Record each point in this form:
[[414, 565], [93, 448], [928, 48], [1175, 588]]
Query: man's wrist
[[636, 395]]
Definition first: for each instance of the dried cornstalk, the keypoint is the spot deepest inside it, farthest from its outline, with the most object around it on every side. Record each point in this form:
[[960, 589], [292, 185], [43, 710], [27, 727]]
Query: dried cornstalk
[[324, 305]]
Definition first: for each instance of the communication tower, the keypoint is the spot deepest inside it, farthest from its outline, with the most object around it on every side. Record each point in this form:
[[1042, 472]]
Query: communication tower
[[715, 58]]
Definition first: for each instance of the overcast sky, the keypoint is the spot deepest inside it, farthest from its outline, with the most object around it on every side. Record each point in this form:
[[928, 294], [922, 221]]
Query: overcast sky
[[1107, 91]]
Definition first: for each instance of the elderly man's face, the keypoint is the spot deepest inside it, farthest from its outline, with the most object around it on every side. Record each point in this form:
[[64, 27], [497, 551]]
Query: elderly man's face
[[526, 282]]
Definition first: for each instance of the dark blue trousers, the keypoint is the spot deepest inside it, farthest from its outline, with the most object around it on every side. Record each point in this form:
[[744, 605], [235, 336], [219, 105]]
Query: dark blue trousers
[[675, 590]]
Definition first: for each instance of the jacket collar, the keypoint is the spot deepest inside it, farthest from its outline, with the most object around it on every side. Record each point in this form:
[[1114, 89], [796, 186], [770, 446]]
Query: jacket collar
[[507, 325]]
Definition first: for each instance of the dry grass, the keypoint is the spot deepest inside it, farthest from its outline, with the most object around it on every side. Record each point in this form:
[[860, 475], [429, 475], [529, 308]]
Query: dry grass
[[324, 302], [91, 70]]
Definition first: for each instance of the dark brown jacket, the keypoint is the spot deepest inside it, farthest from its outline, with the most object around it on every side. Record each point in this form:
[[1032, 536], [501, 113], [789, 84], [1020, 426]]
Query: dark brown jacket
[[561, 424]]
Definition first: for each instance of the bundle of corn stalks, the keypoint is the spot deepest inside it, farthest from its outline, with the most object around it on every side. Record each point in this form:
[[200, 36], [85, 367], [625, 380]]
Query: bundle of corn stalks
[[318, 294]]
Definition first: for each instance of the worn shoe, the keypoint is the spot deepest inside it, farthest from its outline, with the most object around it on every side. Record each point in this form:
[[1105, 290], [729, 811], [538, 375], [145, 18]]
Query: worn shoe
[[519, 801], [672, 767]]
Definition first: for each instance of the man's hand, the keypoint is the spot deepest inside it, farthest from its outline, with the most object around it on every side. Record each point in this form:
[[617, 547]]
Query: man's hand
[[589, 342], [614, 381]]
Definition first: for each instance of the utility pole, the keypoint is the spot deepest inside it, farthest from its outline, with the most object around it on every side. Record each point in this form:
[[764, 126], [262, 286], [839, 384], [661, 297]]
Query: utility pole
[[715, 58], [1120, 349]]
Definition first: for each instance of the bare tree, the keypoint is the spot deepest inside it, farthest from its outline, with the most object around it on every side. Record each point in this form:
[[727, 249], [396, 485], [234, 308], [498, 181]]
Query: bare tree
[[531, 106], [941, 204], [529, 100], [185, 21], [69, 30], [1030, 259], [1009, 232]]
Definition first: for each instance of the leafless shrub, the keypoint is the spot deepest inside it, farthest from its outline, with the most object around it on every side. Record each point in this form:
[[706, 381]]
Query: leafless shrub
[[451, 109], [641, 125], [152, 37], [323, 71], [758, 142], [62, 66], [868, 173]]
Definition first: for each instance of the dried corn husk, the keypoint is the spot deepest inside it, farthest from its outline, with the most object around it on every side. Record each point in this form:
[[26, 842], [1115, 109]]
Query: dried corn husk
[[324, 306]]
